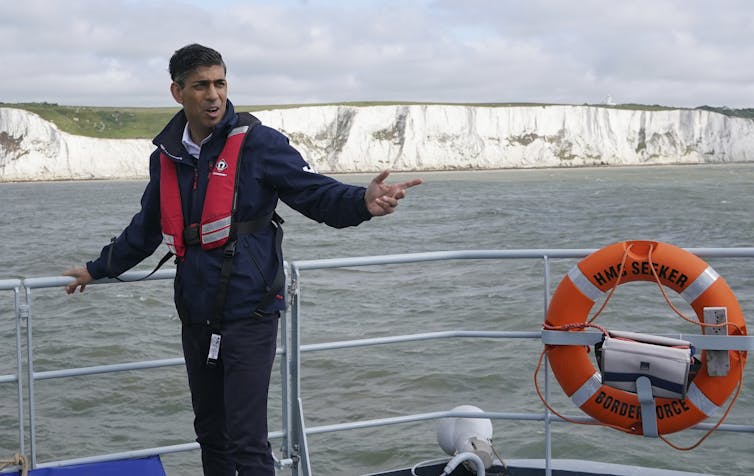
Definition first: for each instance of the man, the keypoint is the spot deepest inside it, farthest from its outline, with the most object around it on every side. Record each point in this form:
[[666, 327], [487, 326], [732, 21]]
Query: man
[[212, 195]]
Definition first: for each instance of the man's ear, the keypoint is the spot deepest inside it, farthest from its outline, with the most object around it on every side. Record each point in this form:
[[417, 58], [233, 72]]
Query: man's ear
[[177, 91]]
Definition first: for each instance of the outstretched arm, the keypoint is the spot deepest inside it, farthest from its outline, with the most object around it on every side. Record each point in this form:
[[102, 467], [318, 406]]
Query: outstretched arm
[[382, 198]]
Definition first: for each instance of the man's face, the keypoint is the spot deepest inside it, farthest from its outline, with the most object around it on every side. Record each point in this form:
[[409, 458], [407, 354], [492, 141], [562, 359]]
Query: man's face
[[203, 96]]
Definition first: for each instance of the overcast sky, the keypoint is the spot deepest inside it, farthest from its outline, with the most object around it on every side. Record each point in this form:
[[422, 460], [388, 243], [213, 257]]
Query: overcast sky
[[683, 53]]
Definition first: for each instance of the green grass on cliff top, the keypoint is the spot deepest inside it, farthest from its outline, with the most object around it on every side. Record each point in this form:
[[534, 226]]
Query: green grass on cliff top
[[146, 122]]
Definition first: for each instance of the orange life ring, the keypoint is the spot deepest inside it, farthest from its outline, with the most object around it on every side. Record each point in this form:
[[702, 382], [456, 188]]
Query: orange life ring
[[677, 269]]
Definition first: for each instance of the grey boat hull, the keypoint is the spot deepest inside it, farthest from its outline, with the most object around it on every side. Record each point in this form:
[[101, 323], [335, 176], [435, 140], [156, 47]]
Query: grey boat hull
[[536, 467]]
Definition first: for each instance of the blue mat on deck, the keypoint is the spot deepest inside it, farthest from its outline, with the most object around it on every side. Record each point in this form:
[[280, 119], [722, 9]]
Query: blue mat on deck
[[151, 466]]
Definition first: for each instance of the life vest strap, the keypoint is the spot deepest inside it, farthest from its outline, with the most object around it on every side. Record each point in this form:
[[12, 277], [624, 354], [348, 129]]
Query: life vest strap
[[279, 282], [191, 235], [253, 226], [229, 251], [163, 260]]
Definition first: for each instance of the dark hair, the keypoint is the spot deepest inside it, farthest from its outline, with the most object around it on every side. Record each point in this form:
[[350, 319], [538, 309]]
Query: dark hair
[[191, 57]]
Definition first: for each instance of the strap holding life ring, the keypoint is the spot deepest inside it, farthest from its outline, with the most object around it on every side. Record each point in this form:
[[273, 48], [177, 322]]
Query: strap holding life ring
[[674, 268]]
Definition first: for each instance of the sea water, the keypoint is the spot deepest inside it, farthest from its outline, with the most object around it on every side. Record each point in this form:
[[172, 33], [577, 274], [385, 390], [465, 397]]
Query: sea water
[[46, 228]]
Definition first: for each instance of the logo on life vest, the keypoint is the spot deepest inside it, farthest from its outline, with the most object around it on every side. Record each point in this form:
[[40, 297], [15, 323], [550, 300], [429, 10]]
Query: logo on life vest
[[221, 165]]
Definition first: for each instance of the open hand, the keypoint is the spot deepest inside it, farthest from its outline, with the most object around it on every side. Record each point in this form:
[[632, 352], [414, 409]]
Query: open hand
[[382, 198]]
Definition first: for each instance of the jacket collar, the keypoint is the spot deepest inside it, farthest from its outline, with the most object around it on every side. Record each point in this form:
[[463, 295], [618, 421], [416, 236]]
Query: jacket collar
[[169, 140]]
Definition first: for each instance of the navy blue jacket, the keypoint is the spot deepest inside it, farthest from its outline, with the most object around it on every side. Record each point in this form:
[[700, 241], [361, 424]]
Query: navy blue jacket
[[270, 170]]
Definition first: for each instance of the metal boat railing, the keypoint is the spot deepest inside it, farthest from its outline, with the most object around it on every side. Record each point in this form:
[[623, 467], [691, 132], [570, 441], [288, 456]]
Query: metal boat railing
[[294, 454]]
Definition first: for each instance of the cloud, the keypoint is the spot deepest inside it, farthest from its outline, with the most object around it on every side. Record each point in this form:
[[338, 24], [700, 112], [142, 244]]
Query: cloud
[[672, 52]]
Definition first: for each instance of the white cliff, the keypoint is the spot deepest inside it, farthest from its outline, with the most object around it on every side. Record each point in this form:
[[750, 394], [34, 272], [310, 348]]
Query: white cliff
[[34, 149], [412, 137]]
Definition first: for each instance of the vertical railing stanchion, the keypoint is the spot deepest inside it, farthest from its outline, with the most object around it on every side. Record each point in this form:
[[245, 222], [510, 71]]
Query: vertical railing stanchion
[[285, 406], [30, 384], [548, 415], [293, 357], [19, 313]]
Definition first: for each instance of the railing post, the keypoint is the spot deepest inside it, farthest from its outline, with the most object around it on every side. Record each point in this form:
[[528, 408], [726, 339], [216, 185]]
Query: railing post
[[293, 356], [548, 415], [285, 444], [30, 373], [21, 313]]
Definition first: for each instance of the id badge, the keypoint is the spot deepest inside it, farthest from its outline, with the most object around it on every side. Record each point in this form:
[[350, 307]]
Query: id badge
[[214, 350]]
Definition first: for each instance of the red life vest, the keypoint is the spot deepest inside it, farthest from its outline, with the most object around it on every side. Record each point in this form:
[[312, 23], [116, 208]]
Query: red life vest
[[214, 228]]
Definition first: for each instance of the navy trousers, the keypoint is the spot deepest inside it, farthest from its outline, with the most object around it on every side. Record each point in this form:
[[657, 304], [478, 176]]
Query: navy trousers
[[230, 400]]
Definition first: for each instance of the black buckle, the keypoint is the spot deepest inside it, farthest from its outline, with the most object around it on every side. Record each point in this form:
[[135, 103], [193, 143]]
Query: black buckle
[[191, 235], [230, 249]]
